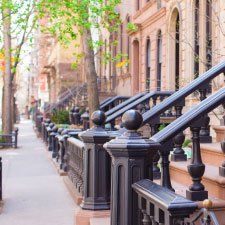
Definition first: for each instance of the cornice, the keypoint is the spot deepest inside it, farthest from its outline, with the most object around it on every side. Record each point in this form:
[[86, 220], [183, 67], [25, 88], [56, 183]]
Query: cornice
[[153, 18], [143, 9]]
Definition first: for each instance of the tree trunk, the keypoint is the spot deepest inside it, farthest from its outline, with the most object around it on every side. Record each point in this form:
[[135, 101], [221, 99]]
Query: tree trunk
[[7, 77], [91, 75]]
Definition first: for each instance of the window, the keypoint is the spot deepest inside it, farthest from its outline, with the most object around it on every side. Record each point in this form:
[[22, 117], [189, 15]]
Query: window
[[196, 39], [159, 60], [177, 54], [128, 46], [159, 4], [137, 5], [148, 64], [208, 34]]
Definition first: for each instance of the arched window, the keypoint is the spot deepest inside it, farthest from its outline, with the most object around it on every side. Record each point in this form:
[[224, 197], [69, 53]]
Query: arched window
[[148, 64], [159, 60], [208, 34], [135, 64], [121, 38], [128, 46], [177, 53], [159, 4], [196, 39], [137, 4]]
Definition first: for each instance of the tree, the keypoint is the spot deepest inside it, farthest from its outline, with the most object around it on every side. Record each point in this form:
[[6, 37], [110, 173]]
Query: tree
[[69, 19], [18, 22], [7, 78]]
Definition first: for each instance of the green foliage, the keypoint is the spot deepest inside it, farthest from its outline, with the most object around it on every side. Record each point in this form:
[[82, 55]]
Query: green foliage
[[162, 126], [186, 143], [131, 27], [60, 117], [69, 19], [23, 23], [2, 139]]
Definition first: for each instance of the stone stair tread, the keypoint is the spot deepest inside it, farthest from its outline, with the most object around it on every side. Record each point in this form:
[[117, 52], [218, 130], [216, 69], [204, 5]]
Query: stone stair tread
[[181, 190], [218, 127], [100, 221], [211, 172], [214, 147]]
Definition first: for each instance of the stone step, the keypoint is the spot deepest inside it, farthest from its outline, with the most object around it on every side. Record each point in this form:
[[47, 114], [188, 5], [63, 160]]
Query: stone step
[[218, 206], [212, 154], [220, 132], [214, 183], [100, 221]]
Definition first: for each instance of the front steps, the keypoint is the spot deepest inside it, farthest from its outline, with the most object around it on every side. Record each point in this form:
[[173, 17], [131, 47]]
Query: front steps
[[220, 132], [100, 221], [214, 183], [212, 157]]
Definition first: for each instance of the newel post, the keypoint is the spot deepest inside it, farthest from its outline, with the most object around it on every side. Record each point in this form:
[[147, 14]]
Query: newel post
[[131, 162], [97, 165]]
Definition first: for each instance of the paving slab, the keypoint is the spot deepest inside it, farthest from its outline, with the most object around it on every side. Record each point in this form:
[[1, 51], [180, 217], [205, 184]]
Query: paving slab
[[33, 192]]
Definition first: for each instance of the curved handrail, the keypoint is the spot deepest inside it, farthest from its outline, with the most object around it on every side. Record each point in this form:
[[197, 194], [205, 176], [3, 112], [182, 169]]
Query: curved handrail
[[118, 97], [184, 92], [189, 117], [137, 102], [125, 103], [105, 100]]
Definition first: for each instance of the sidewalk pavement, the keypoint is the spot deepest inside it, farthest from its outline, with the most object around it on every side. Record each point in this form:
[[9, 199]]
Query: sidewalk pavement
[[33, 192]]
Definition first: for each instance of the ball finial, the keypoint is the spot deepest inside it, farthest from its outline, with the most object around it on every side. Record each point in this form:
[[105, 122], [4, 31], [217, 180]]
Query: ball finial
[[208, 204], [77, 110], [98, 118], [51, 125], [55, 129], [132, 120]]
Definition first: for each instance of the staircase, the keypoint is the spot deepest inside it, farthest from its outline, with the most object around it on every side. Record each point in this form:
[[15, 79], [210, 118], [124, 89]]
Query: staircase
[[212, 157]]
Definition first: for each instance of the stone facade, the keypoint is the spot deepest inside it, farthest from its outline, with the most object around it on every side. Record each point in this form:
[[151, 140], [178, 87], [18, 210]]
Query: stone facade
[[55, 67], [174, 41]]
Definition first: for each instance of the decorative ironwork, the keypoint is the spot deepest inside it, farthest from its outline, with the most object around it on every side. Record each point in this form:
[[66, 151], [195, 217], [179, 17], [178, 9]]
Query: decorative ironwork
[[75, 162]]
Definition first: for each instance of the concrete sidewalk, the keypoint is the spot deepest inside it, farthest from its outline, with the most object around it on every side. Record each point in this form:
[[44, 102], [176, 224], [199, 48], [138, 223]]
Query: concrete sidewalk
[[34, 194]]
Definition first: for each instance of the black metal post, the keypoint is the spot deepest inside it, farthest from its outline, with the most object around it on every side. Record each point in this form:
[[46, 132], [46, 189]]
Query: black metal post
[[0, 178], [52, 135], [154, 125], [179, 154], [164, 151], [71, 115], [196, 169], [76, 116], [205, 130], [65, 146], [97, 165], [16, 138], [222, 167], [85, 119], [131, 162]]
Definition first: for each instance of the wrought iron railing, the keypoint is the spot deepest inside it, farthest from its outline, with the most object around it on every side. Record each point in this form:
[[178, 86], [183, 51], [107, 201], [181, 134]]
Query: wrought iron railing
[[156, 97], [158, 205], [75, 162], [114, 101], [125, 103], [67, 97]]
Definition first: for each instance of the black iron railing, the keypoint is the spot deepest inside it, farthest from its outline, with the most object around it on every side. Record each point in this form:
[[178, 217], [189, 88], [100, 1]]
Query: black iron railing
[[113, 102], [201, 83], [123, 104], [67, 98], [9, 140], [194, 119], [0, 178], [75, 162], [158, 205], [155, 96]]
